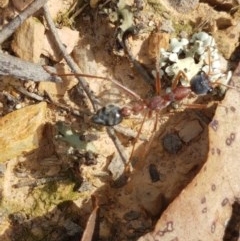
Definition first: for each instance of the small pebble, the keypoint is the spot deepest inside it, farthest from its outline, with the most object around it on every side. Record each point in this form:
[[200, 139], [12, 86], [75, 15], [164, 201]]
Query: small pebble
[[153, 172], [172, 143], [18, 106]]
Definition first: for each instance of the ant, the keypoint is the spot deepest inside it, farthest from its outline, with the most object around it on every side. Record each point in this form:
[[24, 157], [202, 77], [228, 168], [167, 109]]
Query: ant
[[199, 85], [111, 115]]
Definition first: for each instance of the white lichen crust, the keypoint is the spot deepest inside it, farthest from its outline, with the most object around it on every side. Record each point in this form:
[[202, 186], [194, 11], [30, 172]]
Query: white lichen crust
[[192, 56]]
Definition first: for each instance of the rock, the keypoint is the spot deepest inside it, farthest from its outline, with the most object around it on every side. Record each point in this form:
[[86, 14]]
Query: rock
[[184, 6], [190, 130], [21, 131], [21, 4], [56, 7], [68, 37], [3, 3], [58, 90], [28, 40], [226, 36]]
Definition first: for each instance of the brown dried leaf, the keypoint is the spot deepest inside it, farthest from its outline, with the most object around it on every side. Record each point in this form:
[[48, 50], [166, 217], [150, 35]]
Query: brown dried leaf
[[207, 200], [92, 222]]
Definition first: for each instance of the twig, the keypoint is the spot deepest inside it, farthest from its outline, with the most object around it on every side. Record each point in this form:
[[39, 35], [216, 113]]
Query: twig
[[24, 70], [117, 144], [38, 182], [68, 59], [10, 28], [29, 94], [128, 132]]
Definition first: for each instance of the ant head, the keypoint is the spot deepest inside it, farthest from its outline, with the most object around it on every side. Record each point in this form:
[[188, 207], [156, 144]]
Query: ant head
[[109, 115], [200, 84]]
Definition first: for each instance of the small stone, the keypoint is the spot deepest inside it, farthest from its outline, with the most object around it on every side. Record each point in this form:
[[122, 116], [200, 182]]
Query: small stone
[[28, 40], [191, 130], [20, 5], [68, 37], [21, 131], [131, 215], [18, 106], [3, 3], [172, 143]]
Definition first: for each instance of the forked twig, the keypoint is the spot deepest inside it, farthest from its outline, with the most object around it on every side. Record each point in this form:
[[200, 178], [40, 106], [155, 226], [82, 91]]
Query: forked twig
[[10, 28]]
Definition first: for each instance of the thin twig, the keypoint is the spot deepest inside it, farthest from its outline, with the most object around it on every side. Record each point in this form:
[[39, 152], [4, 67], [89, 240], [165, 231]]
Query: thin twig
[[29, 94], [10, 28], [75, 69], [117, 144], [25, 70], [38, 182], [129, 132]]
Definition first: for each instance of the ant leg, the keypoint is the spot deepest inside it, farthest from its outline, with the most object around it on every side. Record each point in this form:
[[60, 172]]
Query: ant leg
[[130, 92], [177, 79], [137, 137], [204, 106], [156, 121], [158, 83], [152, 136], [158, 79], [197, 106]]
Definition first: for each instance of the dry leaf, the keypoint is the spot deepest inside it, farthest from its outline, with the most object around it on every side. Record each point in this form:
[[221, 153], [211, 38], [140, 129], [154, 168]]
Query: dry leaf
[[203, 209], [92, 223]]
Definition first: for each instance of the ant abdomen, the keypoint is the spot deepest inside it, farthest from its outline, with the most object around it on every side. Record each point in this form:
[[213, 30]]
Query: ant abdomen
[[109, 115], [200, 84]]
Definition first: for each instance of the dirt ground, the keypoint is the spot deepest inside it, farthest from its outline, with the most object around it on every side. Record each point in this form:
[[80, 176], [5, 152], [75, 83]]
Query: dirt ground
[[46, 194]]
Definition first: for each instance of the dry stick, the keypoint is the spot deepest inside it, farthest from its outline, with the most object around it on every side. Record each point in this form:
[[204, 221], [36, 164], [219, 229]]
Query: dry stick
[[81, 80], [25, 70], [10, 28], [29, 94], [75, 69]]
